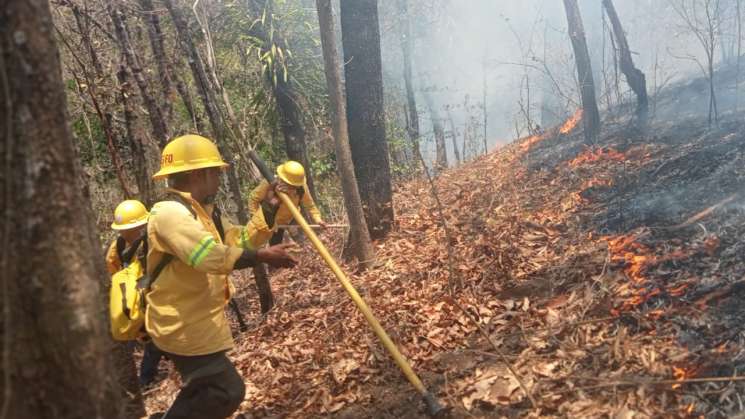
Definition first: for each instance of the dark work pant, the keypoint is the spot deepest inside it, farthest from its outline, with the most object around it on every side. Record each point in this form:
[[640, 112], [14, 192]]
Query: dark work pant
[[151, 356], [212, 387]]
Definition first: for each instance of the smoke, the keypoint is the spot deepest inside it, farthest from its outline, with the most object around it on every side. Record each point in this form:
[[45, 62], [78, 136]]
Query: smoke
[[515, 61]]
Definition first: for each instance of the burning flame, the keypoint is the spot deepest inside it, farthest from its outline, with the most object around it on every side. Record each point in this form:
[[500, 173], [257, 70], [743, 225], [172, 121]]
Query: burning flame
[[591, 183], [528, 142], [596, 155], [572, 122], [683, 373], [637, 259]]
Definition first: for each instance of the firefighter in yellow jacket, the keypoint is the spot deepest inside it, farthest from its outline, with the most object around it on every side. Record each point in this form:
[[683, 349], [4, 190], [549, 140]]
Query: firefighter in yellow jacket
[[267, 211], [185, 305], [130, 221]]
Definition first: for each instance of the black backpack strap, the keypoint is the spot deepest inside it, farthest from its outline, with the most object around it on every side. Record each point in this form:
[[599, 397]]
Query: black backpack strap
[[147, 280], [217, 219], [128, 254], [121, 246]]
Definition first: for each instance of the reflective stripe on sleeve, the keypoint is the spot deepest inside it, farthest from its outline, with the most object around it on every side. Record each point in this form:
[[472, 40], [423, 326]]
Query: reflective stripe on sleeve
[[201, 250]]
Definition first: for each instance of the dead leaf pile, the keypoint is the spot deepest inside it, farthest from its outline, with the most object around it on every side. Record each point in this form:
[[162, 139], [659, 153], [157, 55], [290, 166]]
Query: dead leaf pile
[[572, 269]]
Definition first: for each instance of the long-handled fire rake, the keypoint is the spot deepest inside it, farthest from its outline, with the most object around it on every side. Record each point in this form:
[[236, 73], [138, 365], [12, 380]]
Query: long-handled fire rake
[[433, 406]]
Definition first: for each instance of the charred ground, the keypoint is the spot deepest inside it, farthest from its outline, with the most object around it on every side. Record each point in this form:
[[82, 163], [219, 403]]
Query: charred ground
[[605, 273]]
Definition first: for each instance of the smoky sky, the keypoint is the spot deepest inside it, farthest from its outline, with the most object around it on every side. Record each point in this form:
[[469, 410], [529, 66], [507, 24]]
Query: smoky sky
[[522, 53]]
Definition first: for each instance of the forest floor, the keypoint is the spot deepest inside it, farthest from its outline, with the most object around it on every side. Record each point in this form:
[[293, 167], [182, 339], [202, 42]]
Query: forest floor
[[608, 276]]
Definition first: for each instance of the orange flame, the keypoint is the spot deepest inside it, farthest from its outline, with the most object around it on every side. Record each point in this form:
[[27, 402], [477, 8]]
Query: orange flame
[[637, 260], [684, 373], [596, 155], [528, 142], [571, 122]]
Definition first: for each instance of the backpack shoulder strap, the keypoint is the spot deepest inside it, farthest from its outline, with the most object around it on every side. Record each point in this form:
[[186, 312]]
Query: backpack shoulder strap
[[121, 246], [217, 219], [128, 255]]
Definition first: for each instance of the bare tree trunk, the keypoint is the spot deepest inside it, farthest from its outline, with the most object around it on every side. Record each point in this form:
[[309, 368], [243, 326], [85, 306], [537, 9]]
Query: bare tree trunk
[[591, 115], [183, 91], [157, 122], [56, 359], [466, 128], [441, 157], [486, 145], [155, 35], [454, 137], [412, 120], [136, 141], [365, 112], [91, 87], [359, 244], [635, 77], [210, 104]]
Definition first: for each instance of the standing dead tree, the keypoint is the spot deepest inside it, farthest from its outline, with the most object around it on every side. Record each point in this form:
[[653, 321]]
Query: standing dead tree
[[167, 75], [441, 157], [359, 245], [454, 135], [634, 77], [704, 25], [365, 112], [591, 114], [412, 117], [157, 121]]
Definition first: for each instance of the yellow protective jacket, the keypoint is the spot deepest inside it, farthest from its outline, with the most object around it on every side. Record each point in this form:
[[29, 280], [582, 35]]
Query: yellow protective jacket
[[185, 306], [113, 263], [257, 232]]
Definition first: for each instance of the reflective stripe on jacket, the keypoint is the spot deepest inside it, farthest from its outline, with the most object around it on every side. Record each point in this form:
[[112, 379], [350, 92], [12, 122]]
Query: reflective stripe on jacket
[[185, 312]]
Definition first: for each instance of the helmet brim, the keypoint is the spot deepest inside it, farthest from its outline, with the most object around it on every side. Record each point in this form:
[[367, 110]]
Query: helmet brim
[[120, 227], [171, 170]]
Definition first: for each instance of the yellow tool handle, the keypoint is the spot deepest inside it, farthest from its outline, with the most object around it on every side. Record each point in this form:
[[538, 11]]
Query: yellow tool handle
[[361, 304]]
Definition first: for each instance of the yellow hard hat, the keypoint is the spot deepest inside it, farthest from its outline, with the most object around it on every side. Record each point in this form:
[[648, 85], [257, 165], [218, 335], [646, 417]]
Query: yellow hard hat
[[292, 172], [188, 152], [129, 214]]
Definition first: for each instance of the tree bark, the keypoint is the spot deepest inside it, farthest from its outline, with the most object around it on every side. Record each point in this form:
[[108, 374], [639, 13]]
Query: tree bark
[[157, 122], [365, 112], [359, 244], [136, 140], [169, 78], [157, 46], [634, 77], [56, 357], [207, 95], [591, 115], [412, 121]]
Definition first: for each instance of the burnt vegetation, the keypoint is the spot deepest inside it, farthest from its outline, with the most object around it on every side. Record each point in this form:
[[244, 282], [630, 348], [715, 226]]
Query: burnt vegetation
[[555, 197]]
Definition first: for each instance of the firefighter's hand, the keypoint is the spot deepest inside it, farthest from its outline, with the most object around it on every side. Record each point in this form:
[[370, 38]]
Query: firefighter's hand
[[283, 187], [277, 256], [272, 198]]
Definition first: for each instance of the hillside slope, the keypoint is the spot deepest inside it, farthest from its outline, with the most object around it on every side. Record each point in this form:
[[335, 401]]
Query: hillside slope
[[603, 273]]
